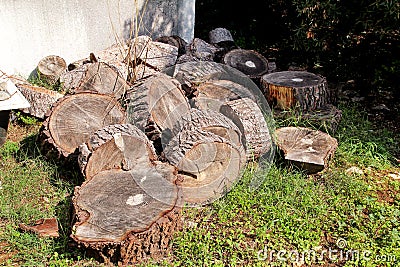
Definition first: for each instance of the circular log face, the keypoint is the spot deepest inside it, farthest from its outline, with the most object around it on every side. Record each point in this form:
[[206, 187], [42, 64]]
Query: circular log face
[[51, 67], [247, 61], [115, 203], [76, 117], [293, 78]]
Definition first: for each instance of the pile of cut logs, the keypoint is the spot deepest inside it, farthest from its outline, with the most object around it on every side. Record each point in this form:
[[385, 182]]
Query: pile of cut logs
[[148, 142], [155, 125]]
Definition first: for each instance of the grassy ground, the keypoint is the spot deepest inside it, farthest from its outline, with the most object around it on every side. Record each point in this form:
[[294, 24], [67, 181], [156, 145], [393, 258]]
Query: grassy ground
[[324, 216]]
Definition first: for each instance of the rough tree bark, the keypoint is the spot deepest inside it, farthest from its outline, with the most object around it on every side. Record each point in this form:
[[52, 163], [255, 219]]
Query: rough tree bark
[[98, 77], [308, 149], [74, 118], [118, 146], [208, 163], [246, 114], [296, 89], [126, 217]]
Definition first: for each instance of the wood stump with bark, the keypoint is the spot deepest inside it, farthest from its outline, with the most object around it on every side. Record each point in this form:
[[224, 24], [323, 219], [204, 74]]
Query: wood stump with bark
[[220, 35], [249, 62], [296, 89], [208, 163], [249, 118], [308, 149], [117, 146], [155, 104], [127, 217], [40, 98], [74, 118], [50, 68], [98, 77]]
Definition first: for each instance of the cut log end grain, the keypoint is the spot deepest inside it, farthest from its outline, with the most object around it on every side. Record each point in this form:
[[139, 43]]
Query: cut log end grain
[[249, 62], [74, 118], [249, 118], [308, 149], [118, 146], [296, 89], [50, 68], [208, 163], [126, 214]]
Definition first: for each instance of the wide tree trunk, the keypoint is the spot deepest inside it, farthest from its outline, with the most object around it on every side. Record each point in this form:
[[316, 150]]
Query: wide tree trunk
[[249, 62], [308, 149], [126, 217], [118, 146], [208, 163], [249, 118], [74, 118], [296, 90]]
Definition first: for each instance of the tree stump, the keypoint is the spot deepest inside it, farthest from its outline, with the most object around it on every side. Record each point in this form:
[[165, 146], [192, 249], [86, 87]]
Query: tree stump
[[249, 62], [118, 146], [296, 89], [127, 216], [220, 35], [40, 98], [74, 118], [155, 104], [250, 120], [50, 68], [307, 149], [97, 77], [213, 94], [209, 164]]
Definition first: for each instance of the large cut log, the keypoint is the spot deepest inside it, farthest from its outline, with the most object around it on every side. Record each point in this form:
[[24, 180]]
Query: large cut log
[[308, 149], [213, 94], [118, 146], [193, 74], [210, 121], [155, 104], [128, 216], [116, 56], [296, 89], [97, 77], [325, 119], [208, 163], [250, 120], [40, 98], [249, 62], [50, 68], [74, 118]]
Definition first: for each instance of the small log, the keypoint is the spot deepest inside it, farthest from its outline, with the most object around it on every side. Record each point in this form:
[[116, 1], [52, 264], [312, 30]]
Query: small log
[[127, 217], [307, 149], [249, 62], [155, 104], [249, 118], [325, 119], [202, 50], [213, 94], [220, 35], [118, 146], [210, 121], [116, 56], [74, 118], [97, 77], [296, 89], [209, 164], [50, 68], [154, 54], [174, 40], [40, 98]]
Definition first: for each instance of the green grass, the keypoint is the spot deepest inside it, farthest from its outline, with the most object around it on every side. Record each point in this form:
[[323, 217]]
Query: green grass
[[289, 211]]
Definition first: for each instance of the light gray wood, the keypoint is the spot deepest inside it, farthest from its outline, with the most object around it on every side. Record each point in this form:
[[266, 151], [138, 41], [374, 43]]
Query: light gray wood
[[250, 120], [219, 35], [117, 146], [50, 68], [74, 118], [308, 149]]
